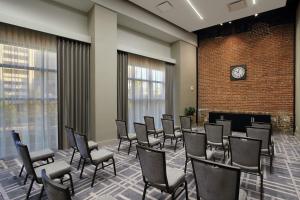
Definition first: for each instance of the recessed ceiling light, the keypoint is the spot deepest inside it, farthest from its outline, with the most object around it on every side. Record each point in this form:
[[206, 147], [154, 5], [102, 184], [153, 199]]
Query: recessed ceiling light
[[229, 22], [254, 2], [196, 11], [221, 24], [255, 15]]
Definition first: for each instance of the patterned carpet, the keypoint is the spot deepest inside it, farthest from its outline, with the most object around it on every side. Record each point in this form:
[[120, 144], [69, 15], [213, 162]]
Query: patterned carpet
[[284, 183]]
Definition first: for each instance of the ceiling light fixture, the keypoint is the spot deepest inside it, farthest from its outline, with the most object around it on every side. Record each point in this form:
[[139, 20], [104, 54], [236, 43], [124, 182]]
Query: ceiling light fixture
[[255, 15], [196, 11], [229, 22], [254, 2], [221, 24]]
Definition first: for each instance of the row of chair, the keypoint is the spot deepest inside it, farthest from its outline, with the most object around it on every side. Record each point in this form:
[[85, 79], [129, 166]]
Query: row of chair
[[88, 152]]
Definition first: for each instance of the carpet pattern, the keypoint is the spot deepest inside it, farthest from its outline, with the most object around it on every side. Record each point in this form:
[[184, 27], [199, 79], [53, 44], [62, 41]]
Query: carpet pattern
[[284, 183]]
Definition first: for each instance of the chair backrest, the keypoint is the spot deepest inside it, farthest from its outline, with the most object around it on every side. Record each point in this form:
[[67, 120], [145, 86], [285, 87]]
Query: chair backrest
[[168, 126], [186, 123], [121, 128], [261, 125], [16, 137], [153, 165], [149, 121], [167, 116], [262, 134], [141, 132], [25, 157], [195, 143], [214, 180], [245, 152], [226, 126], [82, 145], [54, 190], [71, 137], [214, 133]]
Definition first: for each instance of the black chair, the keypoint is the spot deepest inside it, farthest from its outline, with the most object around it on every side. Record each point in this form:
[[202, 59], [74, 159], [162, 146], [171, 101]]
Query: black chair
[[214, 134], [96, 157], [156, 174], [149, 121], [170, 133], [54, 190], [72, 143], [226, 127], [267, 147], [55, 170], [217, 181], [195, 147], [43, 155], [124, 135], [186, 123], [245, 154], [143, 138]]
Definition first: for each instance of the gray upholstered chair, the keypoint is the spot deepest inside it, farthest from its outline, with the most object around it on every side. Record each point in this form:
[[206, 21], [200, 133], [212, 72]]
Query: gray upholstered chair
[[124, 135], [186, 123], [226, 127], [96, 157], [168, 116], [143, 138], [157, 174], [149, 121], [217, 181], [214, 134], [43, 155], [195, 147], [262, 125], [54, 170], [72, 143], [245, 154], [267, 147], [54, 190], [170, 133]]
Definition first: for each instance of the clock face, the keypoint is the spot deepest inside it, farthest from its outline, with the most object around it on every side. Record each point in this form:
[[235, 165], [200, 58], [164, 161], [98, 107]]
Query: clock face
[[238, 72]]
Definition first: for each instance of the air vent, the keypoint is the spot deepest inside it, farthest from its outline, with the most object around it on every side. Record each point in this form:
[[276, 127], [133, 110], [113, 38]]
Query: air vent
[[237, 5], [164, 6]]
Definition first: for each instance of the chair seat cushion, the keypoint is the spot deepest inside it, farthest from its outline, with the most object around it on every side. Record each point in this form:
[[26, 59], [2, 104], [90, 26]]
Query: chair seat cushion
[[177, 134], [242, 195], [175, 177], [176, 128], [225, 143], [153, 141], [92, 145], [101, 155], [209, 153], [155, 131], [131, 136], [41, 155], [54, 170]]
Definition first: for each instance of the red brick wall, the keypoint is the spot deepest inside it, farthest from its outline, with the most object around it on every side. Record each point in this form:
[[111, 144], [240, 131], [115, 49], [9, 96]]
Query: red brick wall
[[268, 53]]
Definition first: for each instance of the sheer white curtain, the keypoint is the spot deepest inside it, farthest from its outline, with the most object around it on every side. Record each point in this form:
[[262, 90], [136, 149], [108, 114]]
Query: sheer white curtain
[[28, 89], [146, 89]]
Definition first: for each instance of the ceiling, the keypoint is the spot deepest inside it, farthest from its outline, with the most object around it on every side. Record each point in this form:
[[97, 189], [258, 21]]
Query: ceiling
[[81, 5], [213, 11]]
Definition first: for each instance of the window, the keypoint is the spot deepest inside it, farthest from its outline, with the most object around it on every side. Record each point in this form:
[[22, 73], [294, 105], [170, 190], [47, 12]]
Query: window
[[28, 97], [146, 89]]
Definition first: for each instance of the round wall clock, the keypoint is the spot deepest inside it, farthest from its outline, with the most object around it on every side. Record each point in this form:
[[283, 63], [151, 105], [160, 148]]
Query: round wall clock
[[238, 72]]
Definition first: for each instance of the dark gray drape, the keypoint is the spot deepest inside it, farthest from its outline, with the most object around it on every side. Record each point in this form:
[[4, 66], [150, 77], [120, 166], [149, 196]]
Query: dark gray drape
[[73, 63], [122, 81], [169, 88]]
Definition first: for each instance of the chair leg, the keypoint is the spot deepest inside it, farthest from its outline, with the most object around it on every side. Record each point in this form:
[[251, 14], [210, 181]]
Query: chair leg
[[29, 190], [145, 190], [94, 176], [119, 144], [42, 191], [71, 183], [261, 186], [79, 163], [82, 168], [164, 142], [20, 174], [175, 144], [186, 191], [171, 141], [160, 146], [173, 196], [271, 164], [129, 147], [185, 165], [72, 157], [114, 164], [25, 180]]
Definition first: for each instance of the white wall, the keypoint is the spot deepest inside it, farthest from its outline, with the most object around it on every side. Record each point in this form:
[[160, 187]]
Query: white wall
[[298, 70], [137, 43], [45, 17]]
